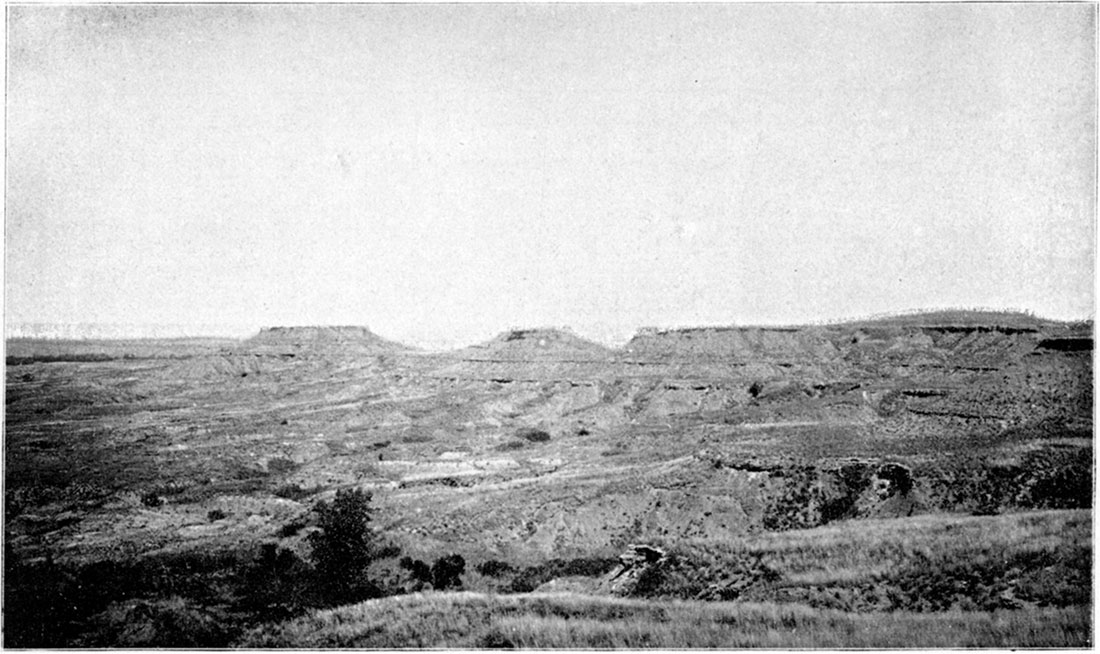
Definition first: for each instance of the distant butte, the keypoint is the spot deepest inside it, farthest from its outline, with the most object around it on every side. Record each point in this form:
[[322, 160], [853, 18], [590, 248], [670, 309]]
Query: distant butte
[[354, 337]]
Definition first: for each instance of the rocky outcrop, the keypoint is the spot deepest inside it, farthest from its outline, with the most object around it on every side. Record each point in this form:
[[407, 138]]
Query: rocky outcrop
[[633, 564], [650, 572]]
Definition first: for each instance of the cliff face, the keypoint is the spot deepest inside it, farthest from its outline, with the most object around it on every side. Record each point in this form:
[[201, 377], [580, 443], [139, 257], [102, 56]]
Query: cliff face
[[931, 341], [720, 432], [735, 343]]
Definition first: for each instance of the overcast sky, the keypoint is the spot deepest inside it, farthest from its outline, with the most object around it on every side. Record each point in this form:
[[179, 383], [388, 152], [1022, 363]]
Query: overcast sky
[[443, 172]]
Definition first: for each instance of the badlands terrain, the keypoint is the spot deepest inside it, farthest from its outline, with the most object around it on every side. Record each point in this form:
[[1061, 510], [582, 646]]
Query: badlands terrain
[[921, 480]]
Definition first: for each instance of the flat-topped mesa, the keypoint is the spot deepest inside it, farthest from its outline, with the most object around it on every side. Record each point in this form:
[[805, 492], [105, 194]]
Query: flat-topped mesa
[[542, 343], [990, 338], [986, 338], [352, 337], [987, 319], [969, 322], [733, 343]]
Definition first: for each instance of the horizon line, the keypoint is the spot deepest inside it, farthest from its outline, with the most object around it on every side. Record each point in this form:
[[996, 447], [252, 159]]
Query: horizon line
[[60, 331]]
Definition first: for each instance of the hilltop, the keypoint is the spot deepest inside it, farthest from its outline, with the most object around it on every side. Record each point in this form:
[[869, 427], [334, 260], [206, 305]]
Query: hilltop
[[542, 343], [307, 337]]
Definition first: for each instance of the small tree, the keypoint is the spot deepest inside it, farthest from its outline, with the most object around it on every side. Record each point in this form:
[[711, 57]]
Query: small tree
[[343, 548]]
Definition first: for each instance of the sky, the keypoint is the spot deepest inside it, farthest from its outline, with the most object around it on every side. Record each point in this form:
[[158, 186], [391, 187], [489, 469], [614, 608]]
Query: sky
[[441, 173]]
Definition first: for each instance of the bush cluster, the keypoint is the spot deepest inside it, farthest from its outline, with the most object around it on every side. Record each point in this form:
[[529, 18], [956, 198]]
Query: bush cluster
[[808, 497], [531, 577], [444, 574], [157, 601], [1048, 478]]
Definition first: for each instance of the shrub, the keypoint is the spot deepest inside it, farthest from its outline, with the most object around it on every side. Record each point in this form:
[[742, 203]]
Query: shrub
[[533, 435], [1059, 479], [174, 622], [447, 571], [387, 551], [809, 497], [291, 528], [493, 568], [418, 570], [151, 499], [215, 515], [532, 577], [417, 437], [495, 639], [276, 583], [296, 492]]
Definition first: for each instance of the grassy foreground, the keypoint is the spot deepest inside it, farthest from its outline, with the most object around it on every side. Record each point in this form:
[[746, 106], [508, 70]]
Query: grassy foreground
[[924, 563], [1007, 581], [576, 621]]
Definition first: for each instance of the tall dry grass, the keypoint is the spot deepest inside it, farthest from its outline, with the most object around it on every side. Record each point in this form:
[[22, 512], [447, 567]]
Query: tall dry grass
[[436, 620], [862, 549], [825, 593]]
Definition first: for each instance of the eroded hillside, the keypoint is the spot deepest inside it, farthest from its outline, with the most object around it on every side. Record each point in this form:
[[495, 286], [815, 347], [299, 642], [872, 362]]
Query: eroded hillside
[[539, 444]]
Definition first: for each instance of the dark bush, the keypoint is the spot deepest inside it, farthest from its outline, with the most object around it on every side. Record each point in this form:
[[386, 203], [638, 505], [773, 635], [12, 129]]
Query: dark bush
[[174, 623], [151, 499], [276, 583], [387, 551], [1047, 478], [493, 568], [806, 496], [291, 528], [899, 476], [447, 571], [494, 639], [1059, 479], [418, 570], [533, 435], [215, 515], [51, 605]]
